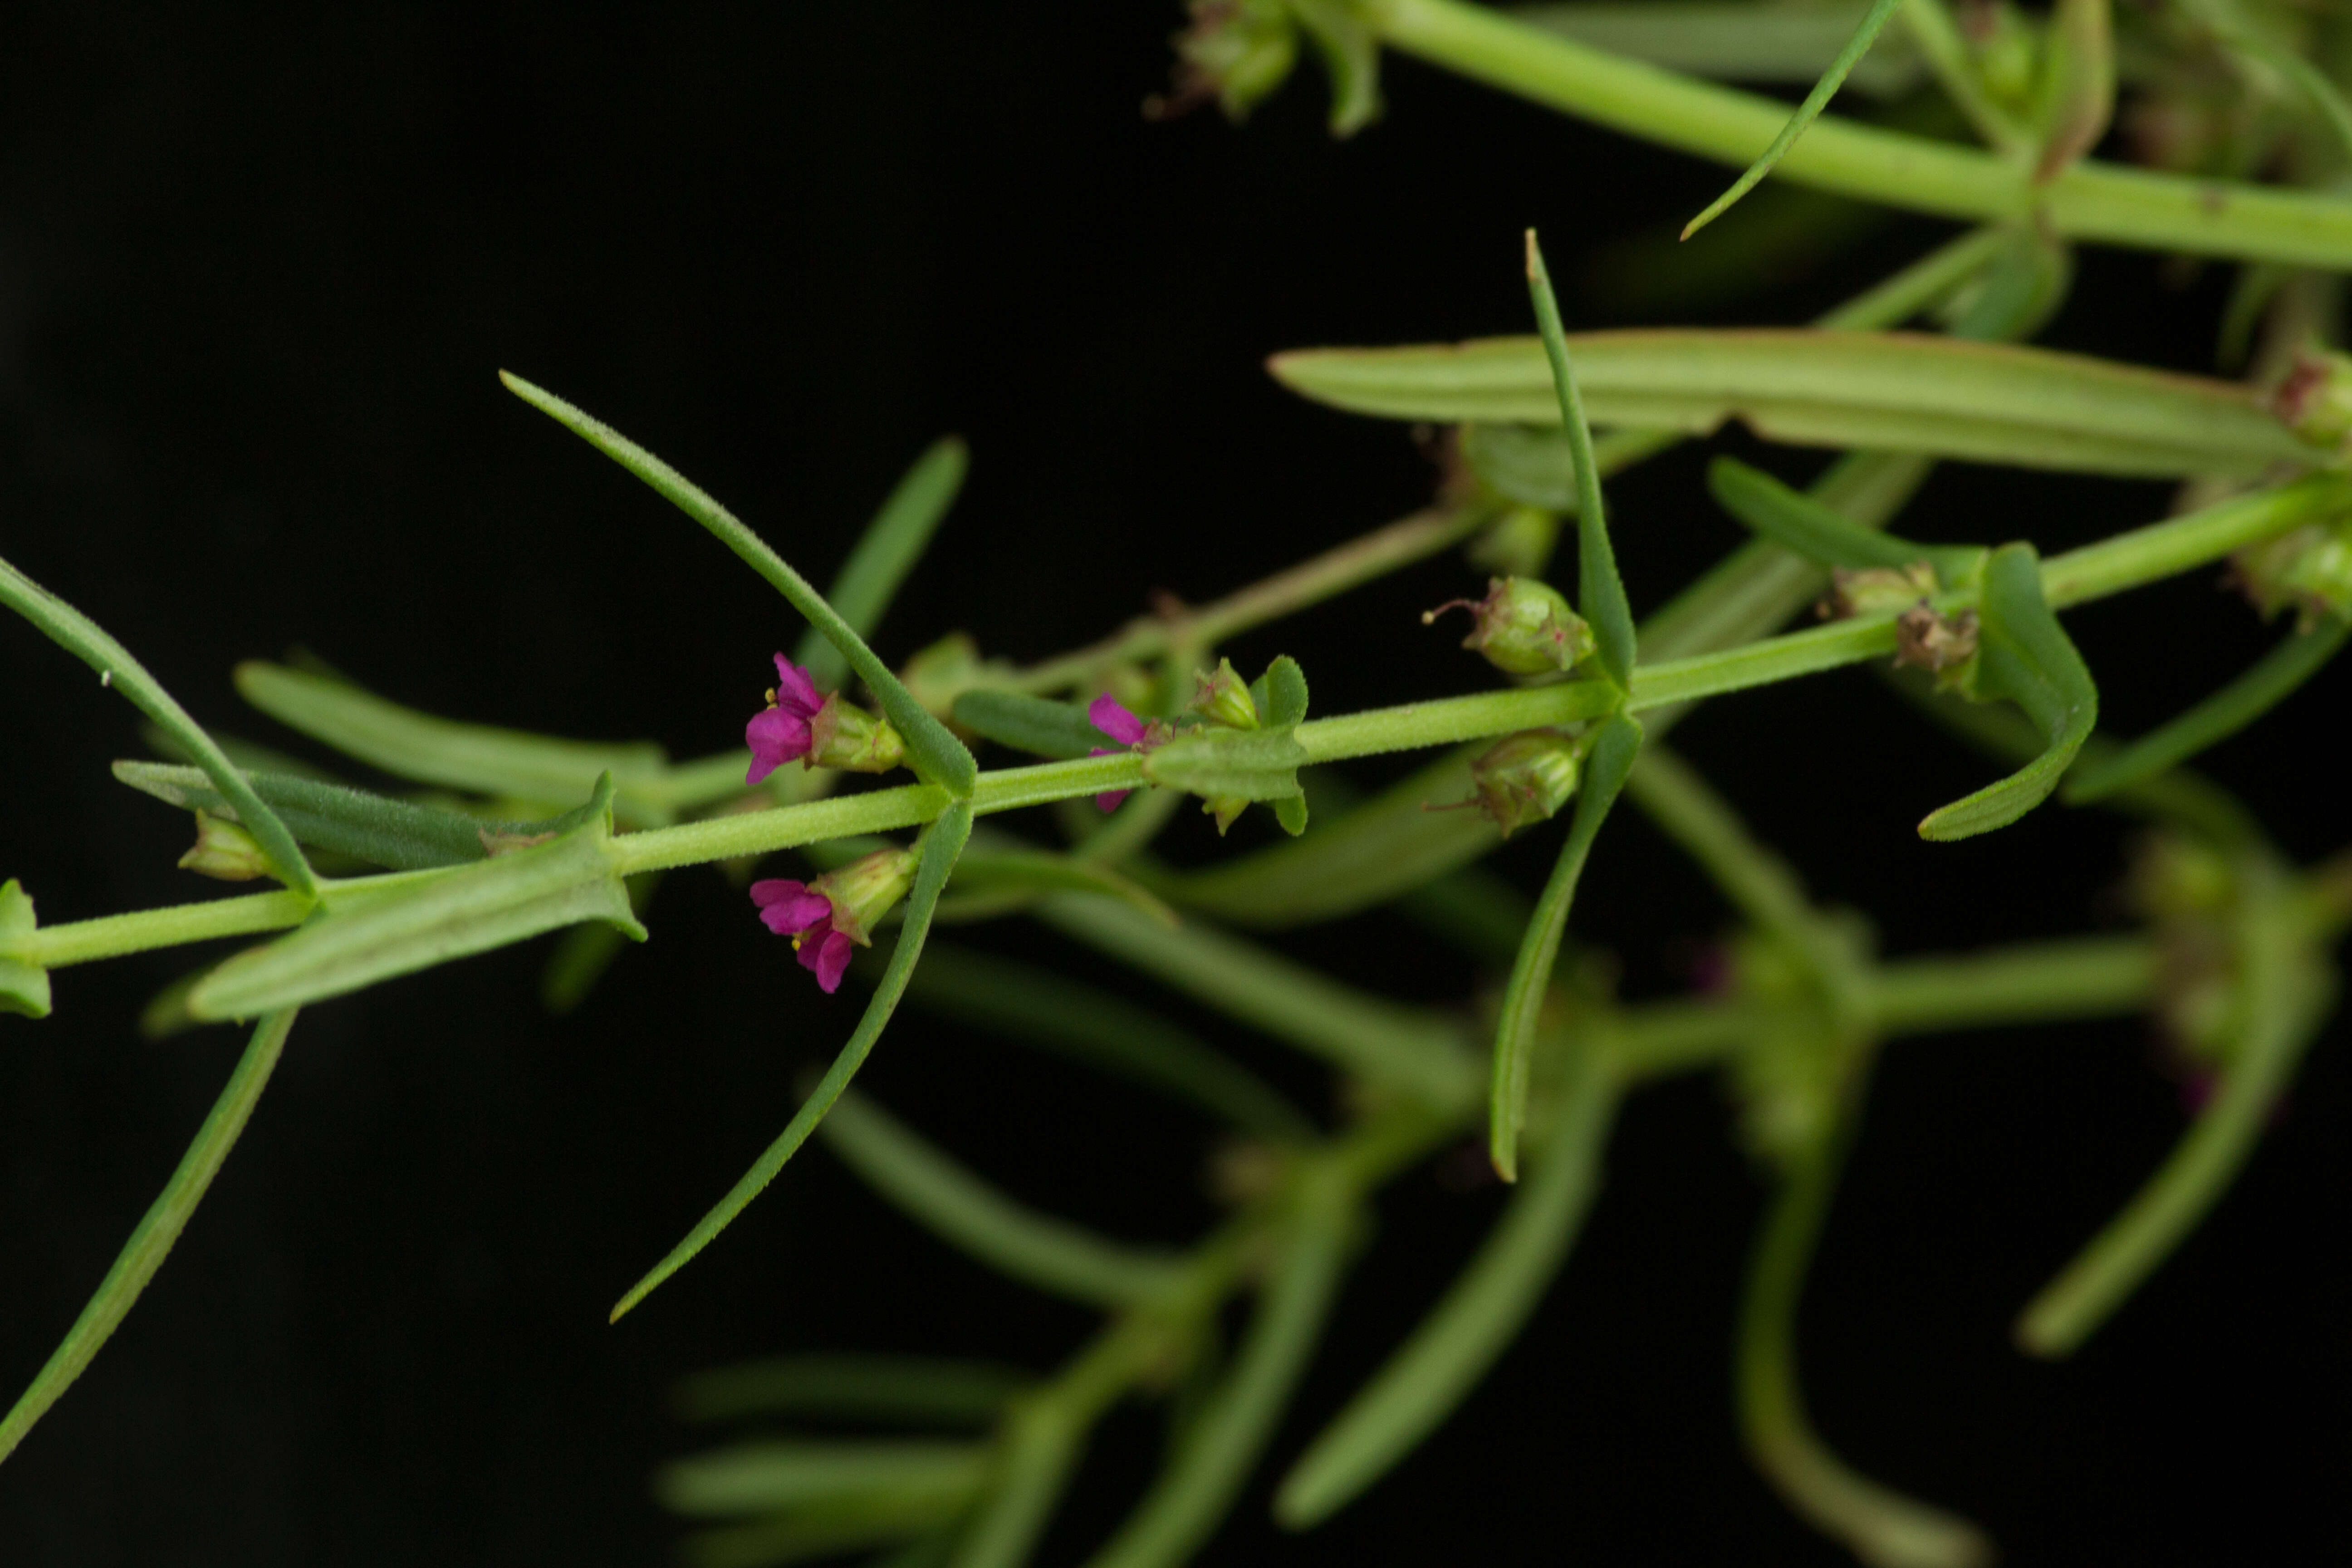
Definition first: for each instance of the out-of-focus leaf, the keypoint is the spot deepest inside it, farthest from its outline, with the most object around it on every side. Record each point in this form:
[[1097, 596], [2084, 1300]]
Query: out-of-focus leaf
[[760, 1478], [886, 552], [1740, 41], [1804, 527], [1037, 725], [1893, 392], [24, 986], [996, 881]]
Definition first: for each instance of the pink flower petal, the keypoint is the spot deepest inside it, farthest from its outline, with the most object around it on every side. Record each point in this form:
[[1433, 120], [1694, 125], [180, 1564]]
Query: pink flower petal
[[1109, 800], [775, 738], [795, 693], [1109, 715], [827, 958], [787, 907]]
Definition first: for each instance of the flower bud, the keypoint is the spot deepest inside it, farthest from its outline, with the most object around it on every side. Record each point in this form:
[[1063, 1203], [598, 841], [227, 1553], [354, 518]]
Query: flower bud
[[2308, 571], [1524, 626], [1224, 699], [1878, 590], [865, 889], [224, 850], [1526, 777], [1235, 51], [2316, 398], [844, 735]]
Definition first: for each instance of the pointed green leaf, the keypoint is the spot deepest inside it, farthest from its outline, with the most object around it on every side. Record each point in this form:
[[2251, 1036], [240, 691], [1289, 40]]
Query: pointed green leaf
[[24, 986], [907, 1390], [2077, 91], [2271, 681], [1478, 1317], [935, 753], [1037, 725], [1285, 692], [779, 1476], [158, 1229], [1890, 392], [1611, 759], [400, 925], [1865, 34], [396, 834], [1040, 1250], [1244, 764], [409, 744], [1351, 58], [941, 847], [1601, 594], [886, 552], [86, 640], [1804, 527], [2022, 655]]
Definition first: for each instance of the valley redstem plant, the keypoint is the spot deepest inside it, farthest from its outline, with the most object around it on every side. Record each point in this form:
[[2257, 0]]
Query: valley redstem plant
[[1806, 1002]]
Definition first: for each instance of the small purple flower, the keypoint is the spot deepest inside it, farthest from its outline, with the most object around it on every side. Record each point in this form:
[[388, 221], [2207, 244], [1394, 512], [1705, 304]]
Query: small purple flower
[[779, 733], [1109, 715], [793, 910]]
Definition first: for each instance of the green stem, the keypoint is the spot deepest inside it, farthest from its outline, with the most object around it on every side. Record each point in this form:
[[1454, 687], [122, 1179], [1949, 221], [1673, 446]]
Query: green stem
[[111, 936], [2083, 977], [2088, 201]]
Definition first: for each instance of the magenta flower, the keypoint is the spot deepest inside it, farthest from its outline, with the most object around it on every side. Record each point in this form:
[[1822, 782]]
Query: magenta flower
[[794, 910], [779, 733], [1109, 715]]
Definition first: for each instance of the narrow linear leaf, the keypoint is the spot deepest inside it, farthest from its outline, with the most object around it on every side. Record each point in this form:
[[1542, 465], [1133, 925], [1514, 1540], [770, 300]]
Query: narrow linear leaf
[[2077, 91], [2228, 21], [1040, 1250], [1107, 1031], [1807, 112], [1605, 771], [941, 847], [774, 1476], [885, 553], [409, 744], [936, 754], [855, 1522], [1185, 1504], [396, 834], [912, 1390], [1882, 1526], [1245, 764], [88, 641], [2269, 682], [1037, 725], [1738, 41], [1804, 527], [400, 927], [151, 1242], [2288, 992], [1883, 391], [1039, 1446], [1601, 594], [1481, 1314], [2025, 656]]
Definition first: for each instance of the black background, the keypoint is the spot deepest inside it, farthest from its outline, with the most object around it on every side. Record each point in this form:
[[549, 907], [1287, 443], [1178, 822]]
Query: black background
[[256, 269]]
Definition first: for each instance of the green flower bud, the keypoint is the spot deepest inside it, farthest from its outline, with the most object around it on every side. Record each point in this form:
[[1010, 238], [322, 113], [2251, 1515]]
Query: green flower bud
[[1878, 590], [1224, 699], [224, 850], [2316, 398], [1524, 626], [865, 889], [1526, 777], [1236, 52], [844, 735], [2308, 571]]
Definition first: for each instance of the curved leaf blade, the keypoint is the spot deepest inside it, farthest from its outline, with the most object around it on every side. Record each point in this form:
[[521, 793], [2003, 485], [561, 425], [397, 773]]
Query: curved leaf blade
[[1605, 771], [2025, 656], [1804, 527], [941, 847], [936, 754], [158, 1229]]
